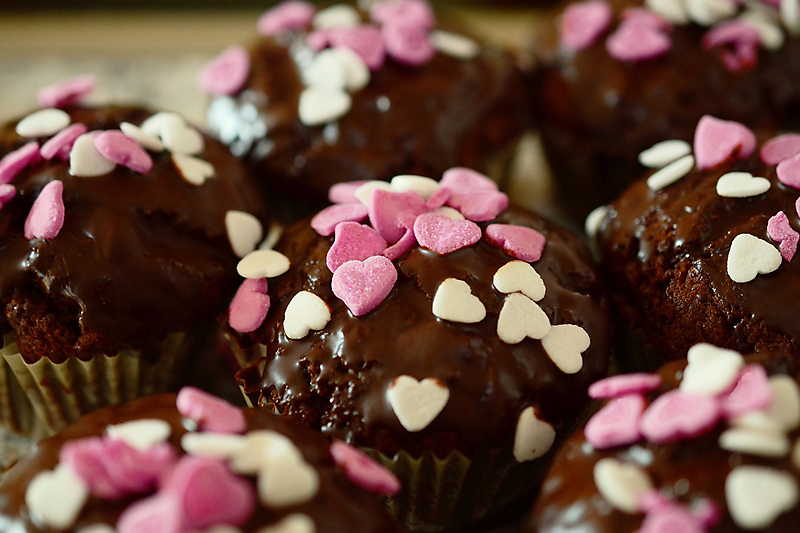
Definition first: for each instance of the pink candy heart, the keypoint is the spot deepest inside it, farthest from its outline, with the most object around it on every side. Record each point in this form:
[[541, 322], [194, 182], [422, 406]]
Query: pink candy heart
[[286, 16], [60, 144], [226, 74], [209, 412], [46, 216], [66, 93], [444, 235], [7, 193], [325, 221], [779, 148], [616, 424], [366, 41], [624, 384], [644, 16], [122, 150], [637, 40], [718, 141], [672, 520], [779, 230], [751, 393], [391, 213], [479, 206], [318, 40], [353, 242], [439, 198], [676, 415], [345, 192], [584, 22], [17, 161], [249, 306], [363, 285], [519, 242], [789, 171], [408, 44], [396, 250], [416, 13], [364, 471], [462, 180], [738, 42], [157, 513]]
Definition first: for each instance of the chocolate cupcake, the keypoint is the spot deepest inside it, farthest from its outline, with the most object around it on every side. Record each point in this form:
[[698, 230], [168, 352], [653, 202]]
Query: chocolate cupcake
[[194, 463], [119, 230], [626, 74], [343, 95], [451, 337], [703, 248], [708, 447]]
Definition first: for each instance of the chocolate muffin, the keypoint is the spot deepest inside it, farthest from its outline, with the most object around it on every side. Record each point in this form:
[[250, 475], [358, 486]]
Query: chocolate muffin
[[193, 463], [456, 352], [625, 74], [709, 447], [344, 95]]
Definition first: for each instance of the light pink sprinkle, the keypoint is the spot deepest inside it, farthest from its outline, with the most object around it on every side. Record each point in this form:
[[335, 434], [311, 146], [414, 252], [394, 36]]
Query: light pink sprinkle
[[249, 306], [66, 93], [653, 501], [345, 192], [779, 230], [122, 150], [677, 415], [366, 41], [465, 181], [47, 213], [439, 198], [519, 242], [389, 211], [353, 242], [363, 470], [17, 161], [636, 40], [444, 235], [616, 424], [671, 519], [287, 16], [160, 513], [210, 413], [325, 221], [418, 13], [645, 17], [718, 141], [318, 39], [779, 148], [61, 144], [738, 43], [624, 384], [7, 193], [399, 248], [789, 171], [363, 285], [708, 512], [751, 393], [584, 22], [407, 44], [479, 206], [226, 74]]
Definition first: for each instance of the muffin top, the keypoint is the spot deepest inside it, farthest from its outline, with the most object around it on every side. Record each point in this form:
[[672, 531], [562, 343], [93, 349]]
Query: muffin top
[[189, 463]]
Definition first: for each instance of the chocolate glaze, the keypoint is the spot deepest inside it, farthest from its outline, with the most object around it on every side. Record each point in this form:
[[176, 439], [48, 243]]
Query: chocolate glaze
[[338, 506], [692, 469], [139, 256]]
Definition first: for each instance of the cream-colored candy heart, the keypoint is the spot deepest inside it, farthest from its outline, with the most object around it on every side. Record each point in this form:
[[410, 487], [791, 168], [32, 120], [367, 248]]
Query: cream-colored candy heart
[[662, 154], [760, 443], [455, 45], [533, 437], [294, 523], [43, 123], [564, 345], [671, 173], [796, 454], [319, 106], [263, 264], [305, 312], [222, 529], [336, 16], [86, 161], [142, 433], [750, 256], [364, 192], [757, 495], [261, 449], [55, 498], [244, 231], [274, 234], [768, 28], [417, 403], [741, 185], [287, 482], [105, 528], [520, 317], [328, 71], [672, 10], [193, 170], [709, 12], [455, 302], [757, 421], [425, 187], [216, 445], [356, 72], [154, 125], [592, 224], [790, 16], [785, 407], [711, 370], [449, 212], [621, 484], [149, 142], [181, 138], [519, 276]]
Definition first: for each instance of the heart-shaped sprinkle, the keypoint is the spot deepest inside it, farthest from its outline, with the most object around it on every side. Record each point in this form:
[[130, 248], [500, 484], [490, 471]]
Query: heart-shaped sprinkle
[[155, 124], [66, 93], [520, 317], [643, 15], [711, 370], [85, 161], [449, 212], [439, 198], [408, 44], [533, 437], [353, 242], [718, 141], [193, 170], [227, 73], [455, 45], [287, 482], [363, 470], [43, 123], [751, 393], [55, 498], [677, 415], [790, 16], [146, 141], [785, 407], [709, 12], [757, 495], [750, 256], [294, 523], [584, 22], [444, 235], [160, 513], [336, 16], [616, 424], [305, 312], [621, 484], [741, 185], [363, 192], [60, 144], [662, 154], [17, 161], [462, 180], [363, 285], [213, 445], [479, 206], [104, 528], [286, 16], [244, 231], [624, 384], [796, 454], [262, 449], [779, 148], [671, 518], [46, 216], [122, 150], [425, 187], [249, 306], [670, 173], [637, 41], [327, 71], [142, 433], [768, 28], [417, 403], [753, 442], [345, 192], [414, 12], [365, 41], [325, 221], [263, 264], [319, 106], [737, 42], [179, 137], [455, 302], [525, 244], [7, 193], [519, 276], [391, 213], [564, 345], [789, 171], [399, 248], [209, 412], [672, 10]]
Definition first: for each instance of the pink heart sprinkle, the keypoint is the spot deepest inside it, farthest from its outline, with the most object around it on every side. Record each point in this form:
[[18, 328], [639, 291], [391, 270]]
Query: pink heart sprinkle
[[318, 40], [209, 412], [519, 242], [717, 141], [583, 23], [325, 221], [479, 206], [438, 199], [363, 285], [345, 192], [122, 150], [779, 230], [249, 306], [363, 470], [444, 235], [751, 393], [635, 40], [413, 12], [408, 44], [47, 213], [353, 242], [226, 74], [779, 148], [66, 93], [738, 42], [653, 501], [788, 171], [676, 415], [366, 41], [464, 181], [624, 384], [7, 193], [708, 512], [160, 513], [287, 16], [671, 519], [60, 145], [17, 161], [399, 248], [389, 212], [616, 424], [644, 16]]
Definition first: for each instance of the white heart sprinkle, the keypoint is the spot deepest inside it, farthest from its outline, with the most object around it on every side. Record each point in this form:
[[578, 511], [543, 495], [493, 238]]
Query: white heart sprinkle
[[319, 106], [261, 449], [294, 523], [621, 484], [146, 141], [757, 421], [454, 44], [662, 154], [222, 529], [564, 345], [711, 370], [357, 73], [141, 434], [287, 482], [274, 234], [785, 407], [305, 312], [757, 495], [533, 437], [455, 302], [741, 185], [425, 187], [593, 221], [244, 231], [520, 317], [750, 256], [337, 16], [215, 445], [760, 443], [193, 170], [519, 276], [769, 31], [449, 212], [103, 528], [709, 12], [179, 137], [364, 192], [56, 497], [790, 16], [326, 71], [672, 10], [154, 125], [796, 454], [417, 403], [43, 123], [263, 264], [86, 161], [671, 173]]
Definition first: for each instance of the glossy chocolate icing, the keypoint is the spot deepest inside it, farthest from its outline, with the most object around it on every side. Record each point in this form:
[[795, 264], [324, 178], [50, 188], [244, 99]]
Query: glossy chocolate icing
[[138, 256], [338, 506]]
